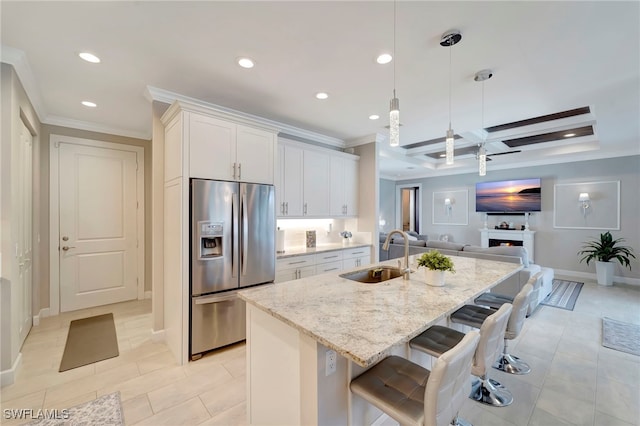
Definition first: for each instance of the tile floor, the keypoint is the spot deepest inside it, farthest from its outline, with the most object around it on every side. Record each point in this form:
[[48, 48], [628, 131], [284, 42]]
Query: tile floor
[[575, 381]]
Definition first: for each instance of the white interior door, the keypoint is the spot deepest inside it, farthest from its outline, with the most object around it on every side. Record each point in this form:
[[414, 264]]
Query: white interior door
[[25, 223], [98, 230]]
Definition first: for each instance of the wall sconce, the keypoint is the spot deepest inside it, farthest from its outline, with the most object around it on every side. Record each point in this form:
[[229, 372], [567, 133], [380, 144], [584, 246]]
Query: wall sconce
[[585, 202], [447, 206]]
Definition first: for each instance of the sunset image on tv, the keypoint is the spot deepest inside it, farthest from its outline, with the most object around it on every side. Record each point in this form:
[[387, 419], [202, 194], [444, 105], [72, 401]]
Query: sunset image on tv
[[508, 196]]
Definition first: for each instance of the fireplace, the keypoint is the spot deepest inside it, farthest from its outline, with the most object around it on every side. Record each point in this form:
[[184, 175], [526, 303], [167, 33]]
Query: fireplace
[[496, 242], [506, 237]]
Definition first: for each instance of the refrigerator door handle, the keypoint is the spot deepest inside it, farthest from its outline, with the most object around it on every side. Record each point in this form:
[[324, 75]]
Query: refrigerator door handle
[[234, 231], [245, 232], [215, 299]]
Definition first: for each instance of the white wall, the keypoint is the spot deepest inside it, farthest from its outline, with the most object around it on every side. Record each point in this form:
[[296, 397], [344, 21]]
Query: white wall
[[388, 204], [15, 108], [556, 248], [369, 191]]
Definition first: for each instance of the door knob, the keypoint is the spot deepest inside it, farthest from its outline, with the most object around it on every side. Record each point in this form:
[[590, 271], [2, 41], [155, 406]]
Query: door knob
[[65, 238], [65, 248]]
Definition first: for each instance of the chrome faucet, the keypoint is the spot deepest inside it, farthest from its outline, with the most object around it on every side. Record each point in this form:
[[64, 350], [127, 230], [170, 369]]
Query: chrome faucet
[[406, 270]]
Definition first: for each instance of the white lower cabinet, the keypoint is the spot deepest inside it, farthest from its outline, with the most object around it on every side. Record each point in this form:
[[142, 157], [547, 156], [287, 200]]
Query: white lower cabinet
[[295, 273], [293, 268], [296, 267], [356, 257]]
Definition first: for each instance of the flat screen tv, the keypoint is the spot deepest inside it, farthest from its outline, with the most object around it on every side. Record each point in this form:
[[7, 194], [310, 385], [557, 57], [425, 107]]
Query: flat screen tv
[[508, 196]]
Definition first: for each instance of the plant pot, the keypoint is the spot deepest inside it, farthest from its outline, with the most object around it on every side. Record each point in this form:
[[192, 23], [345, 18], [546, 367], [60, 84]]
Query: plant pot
[[604, 272], [434, 278]]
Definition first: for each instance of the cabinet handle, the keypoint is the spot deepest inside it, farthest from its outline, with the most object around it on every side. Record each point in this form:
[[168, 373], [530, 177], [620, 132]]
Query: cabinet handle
[[239, 171], [330, 269], [287, 208], [282, 208], [234, 170], [330, 257], [305, 209], [344, 209], [298, 262]]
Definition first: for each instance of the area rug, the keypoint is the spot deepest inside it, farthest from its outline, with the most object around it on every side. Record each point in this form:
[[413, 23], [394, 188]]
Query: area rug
[[89, 340], [563, 294], [621, 336], [103, 411]]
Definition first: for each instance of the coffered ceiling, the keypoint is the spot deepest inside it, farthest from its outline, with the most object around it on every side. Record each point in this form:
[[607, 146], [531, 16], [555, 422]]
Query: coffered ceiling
[[579, 60]]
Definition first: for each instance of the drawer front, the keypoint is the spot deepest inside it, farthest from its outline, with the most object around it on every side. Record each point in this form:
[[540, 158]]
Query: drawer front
[[295, 262], [330, 256], [329, 267], [356, 252]]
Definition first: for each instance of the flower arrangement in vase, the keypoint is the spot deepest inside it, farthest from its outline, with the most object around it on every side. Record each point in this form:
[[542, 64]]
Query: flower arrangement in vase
[[436, 264], [346, 237]]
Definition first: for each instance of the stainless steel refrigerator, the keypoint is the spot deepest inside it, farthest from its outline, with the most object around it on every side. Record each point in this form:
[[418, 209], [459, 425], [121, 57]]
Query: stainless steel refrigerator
[[232, 246]]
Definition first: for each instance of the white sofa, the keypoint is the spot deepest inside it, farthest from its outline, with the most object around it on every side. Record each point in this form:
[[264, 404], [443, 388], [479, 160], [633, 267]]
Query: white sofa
[[513, 285], [513, 254]]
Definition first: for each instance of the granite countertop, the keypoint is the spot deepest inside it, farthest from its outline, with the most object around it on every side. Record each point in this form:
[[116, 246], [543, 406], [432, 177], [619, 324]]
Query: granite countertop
[[362, 322], [301, 250]]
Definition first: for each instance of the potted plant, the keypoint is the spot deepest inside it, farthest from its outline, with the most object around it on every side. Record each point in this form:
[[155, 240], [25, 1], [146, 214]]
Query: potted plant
[[436, 265], [603, 251]]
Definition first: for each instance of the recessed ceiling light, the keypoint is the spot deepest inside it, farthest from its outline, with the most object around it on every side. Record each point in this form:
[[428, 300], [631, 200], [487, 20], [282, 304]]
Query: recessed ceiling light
[[246, 62], [443, 155], [568, 135], [322, 95], [374, 117], [89, 57], [385, 58], [89, 104]]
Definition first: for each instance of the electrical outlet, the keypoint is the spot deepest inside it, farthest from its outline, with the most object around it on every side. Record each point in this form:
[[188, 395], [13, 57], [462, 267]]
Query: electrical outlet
[[331, 360]]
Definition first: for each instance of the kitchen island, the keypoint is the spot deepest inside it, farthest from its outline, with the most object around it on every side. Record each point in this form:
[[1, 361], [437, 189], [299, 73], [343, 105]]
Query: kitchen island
[[293, 327]]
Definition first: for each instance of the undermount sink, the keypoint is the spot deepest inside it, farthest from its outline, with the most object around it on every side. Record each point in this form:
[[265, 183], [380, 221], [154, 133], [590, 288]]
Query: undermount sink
[[373, 275]]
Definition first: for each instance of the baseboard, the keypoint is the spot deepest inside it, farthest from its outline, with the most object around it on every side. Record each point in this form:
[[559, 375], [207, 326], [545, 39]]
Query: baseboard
[[592, 277], [157, 336], [147, 294], [44, 312], [8, 377]]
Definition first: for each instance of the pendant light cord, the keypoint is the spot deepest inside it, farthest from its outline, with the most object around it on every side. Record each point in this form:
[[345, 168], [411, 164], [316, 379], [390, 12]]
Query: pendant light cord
[[450, 46], [394, 48], [482, 105]]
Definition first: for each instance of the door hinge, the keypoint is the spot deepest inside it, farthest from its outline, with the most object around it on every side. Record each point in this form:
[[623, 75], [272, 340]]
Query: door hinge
[[137, 242], [137, 204]]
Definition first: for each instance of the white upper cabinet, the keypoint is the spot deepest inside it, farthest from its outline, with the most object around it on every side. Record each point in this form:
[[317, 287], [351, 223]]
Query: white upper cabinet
[[343, 186], [212, 147], [289, 189], [255, 152], [223, 150], [316, 184]]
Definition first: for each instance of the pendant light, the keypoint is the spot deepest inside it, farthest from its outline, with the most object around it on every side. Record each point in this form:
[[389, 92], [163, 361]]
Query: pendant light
[[449, 39], [394, 105], [482, 76], [482, 160]]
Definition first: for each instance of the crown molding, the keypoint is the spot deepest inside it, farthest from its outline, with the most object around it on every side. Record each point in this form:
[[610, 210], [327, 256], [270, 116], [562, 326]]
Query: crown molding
[[18, 59], [374, 137], [54, 120], [166, 96]]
